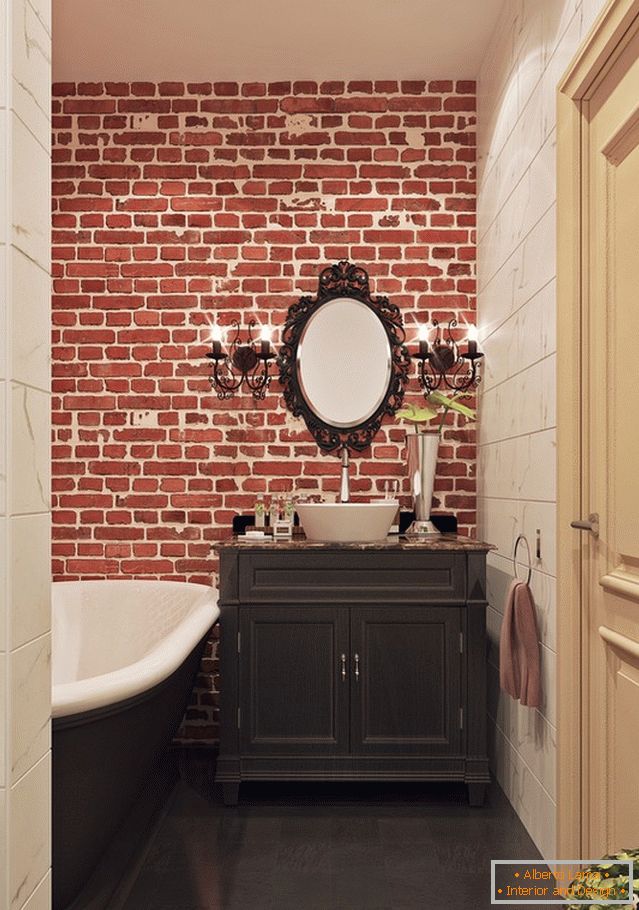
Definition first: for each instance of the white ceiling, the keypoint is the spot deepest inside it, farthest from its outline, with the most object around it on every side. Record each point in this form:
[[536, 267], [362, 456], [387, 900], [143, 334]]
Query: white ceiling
[[270, 40]]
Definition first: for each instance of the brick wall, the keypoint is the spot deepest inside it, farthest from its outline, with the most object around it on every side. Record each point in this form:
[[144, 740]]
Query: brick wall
[[176, 203]]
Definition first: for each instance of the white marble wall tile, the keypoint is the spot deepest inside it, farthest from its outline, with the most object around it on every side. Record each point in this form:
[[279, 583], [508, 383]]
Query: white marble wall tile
[[489, 157], [4, 718], [590, 11], [557, 66], [541, 516], [543, 588], [504, 519], [538, 260], [526, 336], [30, 704], [3, 56], [30, 191], [530, 51], [549, 684], [497, 90], [41, 897], [523, 274], [500, 522], [520, 468], [43, 12], [520, 149], [3, 291], [533, 804], [25, 672], [4, 522], [529, 200], [3, 447], [29, 835], [4, 234], [526, 729], [525, 403], [4, 878], [30, 451], [30, 322], [31, 65], [30, 577], [556, 17]]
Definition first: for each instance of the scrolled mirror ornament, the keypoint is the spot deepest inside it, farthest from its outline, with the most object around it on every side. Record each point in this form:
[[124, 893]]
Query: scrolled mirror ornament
[[348, 282]]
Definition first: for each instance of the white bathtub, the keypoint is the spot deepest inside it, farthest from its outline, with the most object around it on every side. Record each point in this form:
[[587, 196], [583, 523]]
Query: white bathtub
[[113, 640], [125, 656]]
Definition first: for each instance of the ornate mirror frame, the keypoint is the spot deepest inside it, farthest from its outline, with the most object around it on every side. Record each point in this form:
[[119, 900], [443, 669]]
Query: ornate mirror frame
[[344, 279]]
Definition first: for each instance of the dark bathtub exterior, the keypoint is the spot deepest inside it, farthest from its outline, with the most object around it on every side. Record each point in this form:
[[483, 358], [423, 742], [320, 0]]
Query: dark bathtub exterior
[[102, 759]]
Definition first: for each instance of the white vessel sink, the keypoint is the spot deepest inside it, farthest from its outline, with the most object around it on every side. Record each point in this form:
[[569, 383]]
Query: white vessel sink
[[347, 522]]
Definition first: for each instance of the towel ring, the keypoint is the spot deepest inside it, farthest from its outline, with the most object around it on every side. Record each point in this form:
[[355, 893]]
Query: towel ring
[[522, 539]]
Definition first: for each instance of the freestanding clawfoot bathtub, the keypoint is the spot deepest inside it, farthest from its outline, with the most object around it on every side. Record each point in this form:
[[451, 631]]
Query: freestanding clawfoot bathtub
[[125, 655]]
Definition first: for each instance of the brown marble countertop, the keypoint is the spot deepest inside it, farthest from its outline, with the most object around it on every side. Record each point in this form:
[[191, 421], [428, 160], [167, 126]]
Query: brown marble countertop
[[446, 542]]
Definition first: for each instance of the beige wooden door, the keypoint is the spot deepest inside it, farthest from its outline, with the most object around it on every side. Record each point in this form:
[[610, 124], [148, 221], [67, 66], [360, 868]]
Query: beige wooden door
[[610, 422]]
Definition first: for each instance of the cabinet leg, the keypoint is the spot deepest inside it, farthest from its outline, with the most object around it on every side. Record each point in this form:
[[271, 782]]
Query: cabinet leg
[[231, 793], [476, 794]]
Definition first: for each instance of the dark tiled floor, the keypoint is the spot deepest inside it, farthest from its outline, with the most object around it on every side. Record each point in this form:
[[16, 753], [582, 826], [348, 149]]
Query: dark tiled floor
[[326, 847]]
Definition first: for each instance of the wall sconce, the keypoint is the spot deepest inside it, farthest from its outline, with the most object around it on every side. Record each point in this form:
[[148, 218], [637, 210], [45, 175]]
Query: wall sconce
[[244, 364], [443, 363]]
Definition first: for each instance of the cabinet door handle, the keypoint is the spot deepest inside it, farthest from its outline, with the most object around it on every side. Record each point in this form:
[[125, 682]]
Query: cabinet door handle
[[343, 662], [357, 667]]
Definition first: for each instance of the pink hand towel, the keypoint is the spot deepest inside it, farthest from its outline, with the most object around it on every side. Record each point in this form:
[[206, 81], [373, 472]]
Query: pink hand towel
[[519, 662]]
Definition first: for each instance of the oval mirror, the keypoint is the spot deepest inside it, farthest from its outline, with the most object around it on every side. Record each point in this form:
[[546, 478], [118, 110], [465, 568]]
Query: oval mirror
[[343, 364]]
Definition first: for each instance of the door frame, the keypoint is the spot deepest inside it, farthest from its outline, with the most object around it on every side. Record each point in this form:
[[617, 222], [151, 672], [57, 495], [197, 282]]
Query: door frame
[[618, 21]]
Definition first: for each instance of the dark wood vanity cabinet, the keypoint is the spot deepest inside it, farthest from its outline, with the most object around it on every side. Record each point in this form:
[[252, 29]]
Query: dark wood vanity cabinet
[[353, 663]]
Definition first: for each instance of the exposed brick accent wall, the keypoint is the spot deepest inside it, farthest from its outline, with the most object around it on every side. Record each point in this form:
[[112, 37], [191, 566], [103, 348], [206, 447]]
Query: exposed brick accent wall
[[175, 203]]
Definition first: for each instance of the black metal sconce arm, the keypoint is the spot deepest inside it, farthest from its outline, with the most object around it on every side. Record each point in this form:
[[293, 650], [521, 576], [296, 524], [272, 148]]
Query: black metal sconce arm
[[443, 365], [244, 365]]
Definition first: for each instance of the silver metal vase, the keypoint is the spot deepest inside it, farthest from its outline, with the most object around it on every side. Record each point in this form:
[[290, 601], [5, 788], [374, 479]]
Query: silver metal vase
[[422, 449]]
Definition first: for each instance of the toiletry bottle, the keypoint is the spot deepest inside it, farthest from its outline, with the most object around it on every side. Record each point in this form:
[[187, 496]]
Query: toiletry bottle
[[394, 494], [274, 513], [260, 509], [289, 513]]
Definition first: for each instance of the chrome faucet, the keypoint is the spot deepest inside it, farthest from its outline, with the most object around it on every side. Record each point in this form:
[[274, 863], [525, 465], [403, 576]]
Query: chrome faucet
[[344, 488]]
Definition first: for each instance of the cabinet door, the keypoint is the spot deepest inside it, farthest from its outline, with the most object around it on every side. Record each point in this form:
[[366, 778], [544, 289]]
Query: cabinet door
[[405, 680], [294, 692]]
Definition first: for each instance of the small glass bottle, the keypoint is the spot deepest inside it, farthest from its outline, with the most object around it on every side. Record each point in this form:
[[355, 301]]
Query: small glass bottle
[[394, 494], [260, 511], [274, 513], [289, 512]]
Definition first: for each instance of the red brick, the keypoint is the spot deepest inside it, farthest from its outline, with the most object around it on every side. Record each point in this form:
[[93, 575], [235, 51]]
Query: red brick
[[415, 103], [88, 106], [159, 231], [253, 89], [331, 88], [308, 105]]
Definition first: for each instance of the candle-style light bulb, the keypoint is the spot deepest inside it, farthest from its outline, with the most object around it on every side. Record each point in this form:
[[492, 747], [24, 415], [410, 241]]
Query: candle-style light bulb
[[472, 339], [422, 336], [217, 337], [265, 340]]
